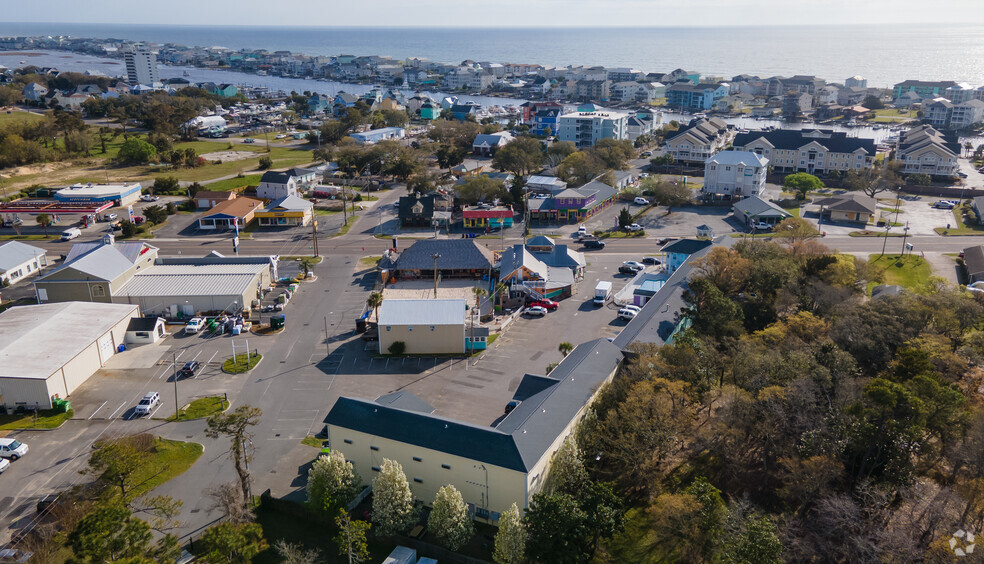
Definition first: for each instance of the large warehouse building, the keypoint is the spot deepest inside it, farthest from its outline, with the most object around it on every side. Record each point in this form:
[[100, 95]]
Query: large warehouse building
[[49, 350]]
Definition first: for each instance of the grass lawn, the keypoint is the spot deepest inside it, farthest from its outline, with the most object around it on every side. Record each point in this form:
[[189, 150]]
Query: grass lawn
[[312, 441], [169, 459], [234, 183], [18, 117], [621, 234], [960, 225], [369, 262], [201, 408], [345, 228], [795, 211], [240, 364], [28, 237], [893, 115], [47, 419], [910, 271]]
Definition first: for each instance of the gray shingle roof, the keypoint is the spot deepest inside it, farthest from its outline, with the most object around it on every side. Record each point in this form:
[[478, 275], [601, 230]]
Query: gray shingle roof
[[549, 405], [849, 202], [686, 246], [754, 206], [456, 254], [788, 139]]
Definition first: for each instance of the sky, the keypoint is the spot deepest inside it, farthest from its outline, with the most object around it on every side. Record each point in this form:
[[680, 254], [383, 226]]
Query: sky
[[497, 13]]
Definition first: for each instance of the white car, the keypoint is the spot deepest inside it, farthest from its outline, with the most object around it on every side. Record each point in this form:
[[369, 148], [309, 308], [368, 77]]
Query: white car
[[194, 325], [641, 201], [536, 311], [4, 464], [249, 140], [634, 264], [762, 226], [149, 198], [976, 287], [634, 308], [281, 136], [12, 449], [148, 403], [627, 314], [634, 227]]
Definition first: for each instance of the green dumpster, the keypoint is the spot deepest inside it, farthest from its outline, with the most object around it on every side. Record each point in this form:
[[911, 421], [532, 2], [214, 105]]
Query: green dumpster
[[278, 321]]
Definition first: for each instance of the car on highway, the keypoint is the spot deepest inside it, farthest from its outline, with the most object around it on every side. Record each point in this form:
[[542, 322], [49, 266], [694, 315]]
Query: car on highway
[[639, 200], [651, 260], [4, 464], [627, 314], [150, 198], [12, 449], [189, 369], [634, 264], [536, 311], [249, 140], [194, 325], [549, 305], [147, 403], [647, 154], [593, 244], [281, 136]]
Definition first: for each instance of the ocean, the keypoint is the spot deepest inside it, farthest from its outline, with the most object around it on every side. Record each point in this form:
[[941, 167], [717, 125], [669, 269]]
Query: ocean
[[884, 54]]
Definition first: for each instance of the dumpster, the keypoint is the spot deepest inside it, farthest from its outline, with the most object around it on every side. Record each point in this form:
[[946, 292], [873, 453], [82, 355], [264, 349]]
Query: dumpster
[[278, 321], [360, 325]]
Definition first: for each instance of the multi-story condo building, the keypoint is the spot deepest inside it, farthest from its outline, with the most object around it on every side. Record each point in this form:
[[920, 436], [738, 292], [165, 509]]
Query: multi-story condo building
[[925, 89], [925, 150], [816, 151], [698, 141], [967, 114], [141, 66], [701, 97], [584, 129], [733, 175], [856, 82], [937, 112]]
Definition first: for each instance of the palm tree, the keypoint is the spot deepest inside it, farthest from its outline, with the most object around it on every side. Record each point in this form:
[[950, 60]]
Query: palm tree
[[44, 220], [500, 288], [375, 300], [479, 294], [565, 348]]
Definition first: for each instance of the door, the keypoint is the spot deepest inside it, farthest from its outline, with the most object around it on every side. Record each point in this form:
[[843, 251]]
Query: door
[[106, 347]]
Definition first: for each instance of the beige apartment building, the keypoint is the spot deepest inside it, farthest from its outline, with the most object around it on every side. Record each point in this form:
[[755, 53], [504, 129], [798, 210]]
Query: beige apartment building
[[424, 326]]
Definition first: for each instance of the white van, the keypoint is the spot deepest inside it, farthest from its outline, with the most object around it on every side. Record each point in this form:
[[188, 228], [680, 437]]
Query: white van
[[147, 404], [71, 233], [12, 449]]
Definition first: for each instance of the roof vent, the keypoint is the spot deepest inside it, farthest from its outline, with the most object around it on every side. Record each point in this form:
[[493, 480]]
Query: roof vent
[[445, 425], [524, 431]]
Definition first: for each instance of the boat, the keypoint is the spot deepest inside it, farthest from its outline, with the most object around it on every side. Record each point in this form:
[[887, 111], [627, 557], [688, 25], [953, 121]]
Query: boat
[[262, 73], [185, 74]]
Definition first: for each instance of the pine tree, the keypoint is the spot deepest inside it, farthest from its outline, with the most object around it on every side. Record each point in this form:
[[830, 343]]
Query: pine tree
[[392, 501], [449, 520], [510, 541]]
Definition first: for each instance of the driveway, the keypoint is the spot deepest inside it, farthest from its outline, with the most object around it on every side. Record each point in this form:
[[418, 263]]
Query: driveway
[[683, 221]]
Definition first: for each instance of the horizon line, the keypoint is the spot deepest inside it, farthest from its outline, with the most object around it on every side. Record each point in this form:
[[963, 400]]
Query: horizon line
[[464, 27]]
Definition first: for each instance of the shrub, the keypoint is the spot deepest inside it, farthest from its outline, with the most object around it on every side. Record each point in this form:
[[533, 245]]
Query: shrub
[[265, 163], [397, 348], [129, 228], [171, 208]]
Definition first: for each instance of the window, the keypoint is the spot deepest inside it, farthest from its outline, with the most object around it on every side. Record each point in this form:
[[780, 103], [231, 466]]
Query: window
[[98, 291], [388, 327], [348, 441], [446, 466], [410, 328], [375, 468], [374, 447], [418, 480], [432, 327]]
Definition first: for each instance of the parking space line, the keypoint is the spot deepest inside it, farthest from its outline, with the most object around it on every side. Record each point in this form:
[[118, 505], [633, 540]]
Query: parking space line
[[97, 410], [122, 405]]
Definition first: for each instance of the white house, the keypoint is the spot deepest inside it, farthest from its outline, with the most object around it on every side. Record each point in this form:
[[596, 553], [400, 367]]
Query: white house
[[19, 260], [275, 185], [734, 174]]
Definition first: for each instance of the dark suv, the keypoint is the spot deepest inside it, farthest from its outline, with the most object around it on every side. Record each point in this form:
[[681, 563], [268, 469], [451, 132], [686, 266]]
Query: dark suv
[[594, 244], [189, 369]]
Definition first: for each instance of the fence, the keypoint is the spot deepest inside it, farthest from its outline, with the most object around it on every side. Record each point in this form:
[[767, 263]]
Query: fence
[[438, 553]]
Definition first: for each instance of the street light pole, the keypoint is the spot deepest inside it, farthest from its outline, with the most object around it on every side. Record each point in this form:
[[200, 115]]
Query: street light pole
[[174, 365]]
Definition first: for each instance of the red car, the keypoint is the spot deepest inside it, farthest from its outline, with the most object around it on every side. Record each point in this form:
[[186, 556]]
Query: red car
[[549, 305]]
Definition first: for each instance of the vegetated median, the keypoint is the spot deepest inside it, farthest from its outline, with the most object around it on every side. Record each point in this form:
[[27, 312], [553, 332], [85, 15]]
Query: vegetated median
[[201, 408], [160, 460], [47, 419], [241, 363]]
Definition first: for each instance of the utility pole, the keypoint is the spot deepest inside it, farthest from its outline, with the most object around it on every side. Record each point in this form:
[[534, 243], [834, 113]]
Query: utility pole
[[327, 345], [888, 228], [314, 236], [435, 256], [344, 212], [905, 233], [174, 366]]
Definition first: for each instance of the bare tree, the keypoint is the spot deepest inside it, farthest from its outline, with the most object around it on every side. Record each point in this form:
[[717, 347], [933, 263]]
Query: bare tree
[[229, 499], [236, 426], [292, 553]]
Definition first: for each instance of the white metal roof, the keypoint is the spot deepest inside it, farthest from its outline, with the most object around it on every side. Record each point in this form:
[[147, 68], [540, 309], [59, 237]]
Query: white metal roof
[[422, 312], [746, 158], [28, 334], [193, 280], [15, 253]]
